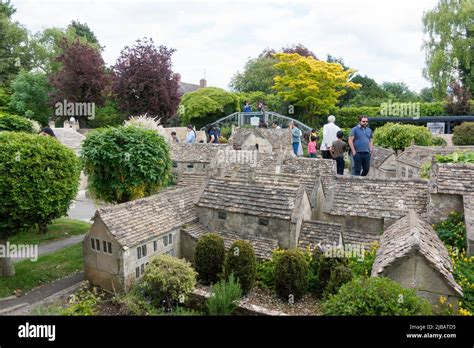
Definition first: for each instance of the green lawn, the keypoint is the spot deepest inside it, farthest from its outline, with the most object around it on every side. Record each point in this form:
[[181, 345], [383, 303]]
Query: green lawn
[[47, 268], [58, 229]]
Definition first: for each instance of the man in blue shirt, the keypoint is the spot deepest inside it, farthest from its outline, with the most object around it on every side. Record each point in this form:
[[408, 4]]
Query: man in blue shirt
[[360, 142], [247, 107]]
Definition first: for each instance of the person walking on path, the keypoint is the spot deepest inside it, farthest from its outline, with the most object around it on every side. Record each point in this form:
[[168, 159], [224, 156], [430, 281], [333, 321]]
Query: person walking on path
[[295, 137], [338, 149], [312, 147], [329, 136], [360, 142]]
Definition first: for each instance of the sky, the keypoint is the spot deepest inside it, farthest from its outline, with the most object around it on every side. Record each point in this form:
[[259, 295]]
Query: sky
[[379, 38]]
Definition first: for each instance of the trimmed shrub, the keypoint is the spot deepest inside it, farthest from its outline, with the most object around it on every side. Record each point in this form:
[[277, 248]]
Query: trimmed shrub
[[126, 163], [225, 297], [438, 141], [399, 136], [14, 123], [362, 267], [39, 179], [291, 275], [240, 260], [322, 267], [464, 134], [168, 280], [209, 257], [340, 275], [375, 296]]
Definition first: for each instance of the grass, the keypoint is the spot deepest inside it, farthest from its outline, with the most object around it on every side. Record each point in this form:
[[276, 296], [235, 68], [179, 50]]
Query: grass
[[58, 229], [47, 268]]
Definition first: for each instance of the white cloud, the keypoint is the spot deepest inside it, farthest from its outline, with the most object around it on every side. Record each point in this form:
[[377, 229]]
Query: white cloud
[[380, 39]]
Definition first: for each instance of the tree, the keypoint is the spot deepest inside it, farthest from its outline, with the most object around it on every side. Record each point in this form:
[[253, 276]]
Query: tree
[[206, 105], [370, 93], [30, 96], [427, 94], [399, 91], [81, 78], [15, 123], [257, 76], [144, 81], [312, 84], [125, 163], [459, 100], [259, 73], [13, 48], [449, 44], [83, 30], [39, 178]]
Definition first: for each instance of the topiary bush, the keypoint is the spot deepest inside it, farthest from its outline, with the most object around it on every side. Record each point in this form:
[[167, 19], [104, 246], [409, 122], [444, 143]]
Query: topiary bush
[[464, 134], [322, 267], [225, 297], [39, 179], [209, 257], [399, 136], [168, 280], [438, 141], [340, 275], [126, 163], [14, 123], [240, 260], [291, 275], [375, 296]]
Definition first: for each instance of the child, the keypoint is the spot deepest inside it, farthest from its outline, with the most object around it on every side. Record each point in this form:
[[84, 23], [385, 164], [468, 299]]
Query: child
[[312, 147], [338, 148]]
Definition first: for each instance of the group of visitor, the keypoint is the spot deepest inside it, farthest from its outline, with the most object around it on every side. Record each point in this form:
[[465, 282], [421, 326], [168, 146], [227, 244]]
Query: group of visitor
[[359, 146]]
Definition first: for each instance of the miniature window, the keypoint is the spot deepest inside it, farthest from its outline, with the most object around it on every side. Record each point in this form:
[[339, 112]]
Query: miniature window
[[165, 240], [144, 250], [263, 222], [222, 215], [139, 253], [403, 172], [93, 243], [191, 165], [155, 246], [410, 173], [97, 244], [142, 268], [137, 272], [104, 245], [109, 247], [170, 238], [175, 164]]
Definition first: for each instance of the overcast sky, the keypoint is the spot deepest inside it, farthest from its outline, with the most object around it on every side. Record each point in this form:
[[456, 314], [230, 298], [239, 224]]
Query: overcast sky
[[381, 39]]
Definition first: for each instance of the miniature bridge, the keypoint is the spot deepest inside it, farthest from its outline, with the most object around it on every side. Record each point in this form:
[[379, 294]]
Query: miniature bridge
[[240, 119]]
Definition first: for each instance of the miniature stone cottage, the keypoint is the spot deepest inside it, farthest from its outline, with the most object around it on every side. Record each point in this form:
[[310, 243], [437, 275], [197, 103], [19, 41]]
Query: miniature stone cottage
[[412, 254]]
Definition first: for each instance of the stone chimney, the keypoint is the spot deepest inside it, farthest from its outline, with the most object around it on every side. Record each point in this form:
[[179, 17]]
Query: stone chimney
[[203, 83]]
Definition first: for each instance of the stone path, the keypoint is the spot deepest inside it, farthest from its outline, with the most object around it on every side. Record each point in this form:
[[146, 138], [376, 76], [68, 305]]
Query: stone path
[[47, 248], [39, 294]]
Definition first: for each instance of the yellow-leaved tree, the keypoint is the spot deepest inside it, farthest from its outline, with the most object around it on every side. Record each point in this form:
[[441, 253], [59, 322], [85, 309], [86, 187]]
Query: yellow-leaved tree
[[314, 85]]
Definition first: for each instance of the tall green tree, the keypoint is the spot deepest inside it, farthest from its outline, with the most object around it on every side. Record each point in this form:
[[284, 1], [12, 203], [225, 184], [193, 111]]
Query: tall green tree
[[257, 76], [449, 44], [399, 91], [13, 45], [83, 30], [30, 96]]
